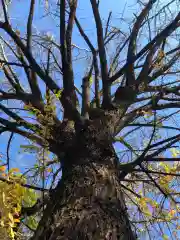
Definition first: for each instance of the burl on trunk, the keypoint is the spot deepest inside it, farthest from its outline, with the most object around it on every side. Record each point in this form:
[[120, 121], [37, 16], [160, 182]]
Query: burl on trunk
[[87, 202]]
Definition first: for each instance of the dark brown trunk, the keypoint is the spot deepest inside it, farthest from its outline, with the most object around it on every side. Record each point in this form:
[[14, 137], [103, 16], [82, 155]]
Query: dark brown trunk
[[87, 203]]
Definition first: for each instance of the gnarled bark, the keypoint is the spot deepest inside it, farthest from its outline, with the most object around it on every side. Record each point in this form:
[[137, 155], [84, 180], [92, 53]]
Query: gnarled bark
[[88, 202]]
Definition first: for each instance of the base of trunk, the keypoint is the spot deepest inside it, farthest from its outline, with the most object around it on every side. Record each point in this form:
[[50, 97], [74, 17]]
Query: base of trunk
[[88, 203]]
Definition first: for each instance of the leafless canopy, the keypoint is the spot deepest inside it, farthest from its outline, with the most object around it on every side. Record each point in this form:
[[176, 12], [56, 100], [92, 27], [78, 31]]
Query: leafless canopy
[[139, 76]]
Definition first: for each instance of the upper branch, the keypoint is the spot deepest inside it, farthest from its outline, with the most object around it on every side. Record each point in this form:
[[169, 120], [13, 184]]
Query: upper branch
[[31, 75], [73, 6], [128, 167], [107, 25], [5, 11], [63, 33], [132, 43], [95, 61], [66, 102], [29, 25], [35, 66], [86, 94], [102, 55], [69, 94], [162, 35]]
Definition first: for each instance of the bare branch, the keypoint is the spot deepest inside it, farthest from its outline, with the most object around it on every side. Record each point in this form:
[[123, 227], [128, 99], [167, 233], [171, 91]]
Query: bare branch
[[165, 147], [7, 151], [162, 159], [157, 172], [102, 55], [29, 25], [164, 68], [31, 76], [5, 10], [4, 62], [162, 35], [69, 94], [107, 25], [86, 94], [95, 62], [15, 84], [127, 168], [151, 125], [130, 76], [18, 119], [51, 84], [73, 6], [96, 71], [155, 183], [166, 106], [119, 50], [91, 47], [131, 191]]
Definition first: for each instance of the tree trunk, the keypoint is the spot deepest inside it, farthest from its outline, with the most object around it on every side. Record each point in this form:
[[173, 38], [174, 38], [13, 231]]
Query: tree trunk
[[88, 202]]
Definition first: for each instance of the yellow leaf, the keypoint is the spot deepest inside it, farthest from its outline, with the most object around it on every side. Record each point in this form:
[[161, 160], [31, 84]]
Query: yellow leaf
[[172, 212], [15, 170], [2, 223], [11, 217], [4, 175], [11, 224], [175, 152], [49, 169], [16, 220], [4, 198], [12, 233], [2, 168], [165, 237], [166, 167]]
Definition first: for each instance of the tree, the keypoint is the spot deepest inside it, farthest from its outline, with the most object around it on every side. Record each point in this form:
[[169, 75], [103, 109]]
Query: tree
[[126, 90]]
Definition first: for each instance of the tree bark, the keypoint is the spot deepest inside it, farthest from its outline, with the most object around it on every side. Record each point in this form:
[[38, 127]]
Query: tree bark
[[87, 202]]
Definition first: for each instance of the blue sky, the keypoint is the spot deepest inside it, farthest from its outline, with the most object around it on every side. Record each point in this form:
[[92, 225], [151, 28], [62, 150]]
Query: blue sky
[[19, 10]]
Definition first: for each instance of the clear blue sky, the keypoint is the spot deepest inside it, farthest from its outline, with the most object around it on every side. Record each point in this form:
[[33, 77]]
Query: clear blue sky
[[19, 10]]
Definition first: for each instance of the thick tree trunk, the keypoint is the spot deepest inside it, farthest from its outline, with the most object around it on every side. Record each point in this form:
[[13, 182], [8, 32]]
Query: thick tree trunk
[[87, 203]]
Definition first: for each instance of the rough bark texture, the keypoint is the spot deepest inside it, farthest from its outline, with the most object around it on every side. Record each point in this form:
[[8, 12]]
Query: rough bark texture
[[87, 203]]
